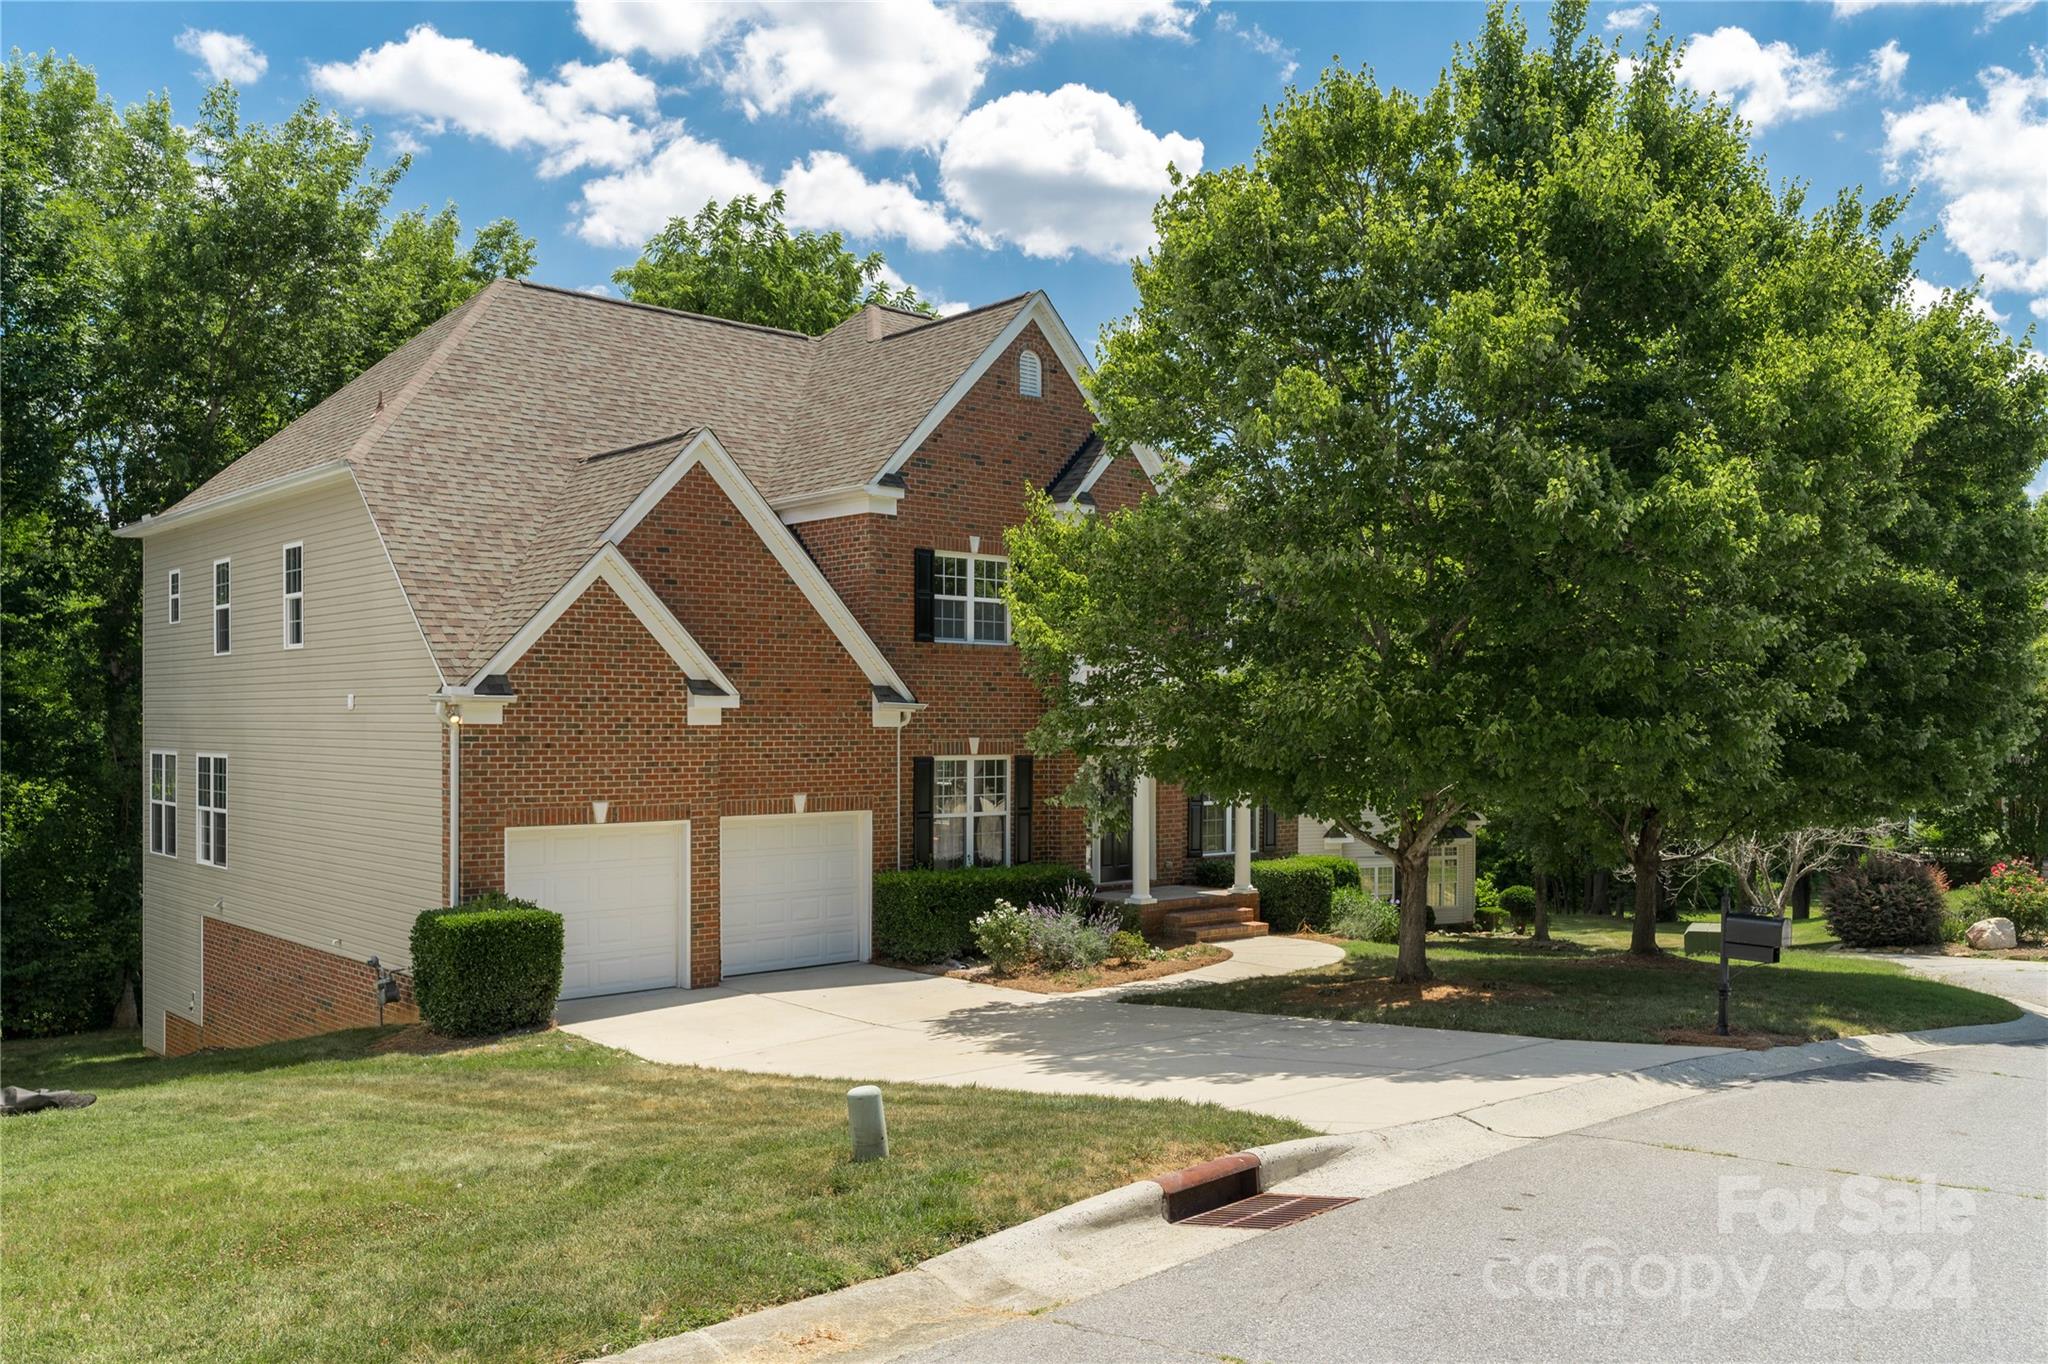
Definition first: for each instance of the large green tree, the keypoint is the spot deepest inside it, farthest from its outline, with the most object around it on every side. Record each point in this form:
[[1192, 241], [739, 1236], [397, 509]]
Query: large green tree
[[171, 295], [739, 260]]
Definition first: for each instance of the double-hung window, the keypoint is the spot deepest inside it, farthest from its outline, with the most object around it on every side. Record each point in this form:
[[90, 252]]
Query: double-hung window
[[213, 809], [175, 591], [221, 592], [1219, 827], [967, 599], [1378, 880], [1443, 876], [970, 812], [163, 804], [294, 596]]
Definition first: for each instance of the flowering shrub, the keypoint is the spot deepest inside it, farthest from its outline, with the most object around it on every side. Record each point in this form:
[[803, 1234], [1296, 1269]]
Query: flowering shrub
[[1064, 937], [1004, 936], [2015, 890]]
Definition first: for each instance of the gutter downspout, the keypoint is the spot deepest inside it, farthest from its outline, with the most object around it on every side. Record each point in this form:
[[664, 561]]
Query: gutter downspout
[[454, 808], [902, 719]]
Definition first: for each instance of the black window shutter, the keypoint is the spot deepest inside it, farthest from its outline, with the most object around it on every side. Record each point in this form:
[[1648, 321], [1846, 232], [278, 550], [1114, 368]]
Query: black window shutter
[[1269, 829], [1195, 804], [1020, 809], [924, 598], [920, 812]]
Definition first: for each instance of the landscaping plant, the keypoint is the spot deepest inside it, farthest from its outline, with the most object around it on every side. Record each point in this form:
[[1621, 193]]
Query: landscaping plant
[[489, 965], [1885, 901], [2016, 890], [1125, 945], [1003, 935], [1355, 913]]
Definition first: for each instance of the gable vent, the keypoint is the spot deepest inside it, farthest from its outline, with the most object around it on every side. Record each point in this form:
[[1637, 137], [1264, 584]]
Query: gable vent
[[1028, 381]]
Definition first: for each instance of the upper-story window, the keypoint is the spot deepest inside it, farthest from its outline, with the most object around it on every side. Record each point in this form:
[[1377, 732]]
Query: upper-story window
[[163, 803], [175, 596], [1030, 381], [960, 598], [213, 809], [294, 596], [222, 624]]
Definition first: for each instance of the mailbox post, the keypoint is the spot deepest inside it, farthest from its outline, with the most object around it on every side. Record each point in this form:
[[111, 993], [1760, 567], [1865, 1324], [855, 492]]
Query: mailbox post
[[1745, 937]]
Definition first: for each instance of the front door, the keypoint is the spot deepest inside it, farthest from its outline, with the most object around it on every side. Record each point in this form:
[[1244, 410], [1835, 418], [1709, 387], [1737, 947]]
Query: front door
[[1113, 851]]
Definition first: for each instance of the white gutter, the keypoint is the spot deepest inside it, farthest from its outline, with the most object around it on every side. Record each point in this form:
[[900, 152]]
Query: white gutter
[[304, 478]]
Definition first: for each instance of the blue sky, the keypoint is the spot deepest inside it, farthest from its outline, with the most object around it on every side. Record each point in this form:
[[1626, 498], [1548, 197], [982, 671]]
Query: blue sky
[[992, 148]]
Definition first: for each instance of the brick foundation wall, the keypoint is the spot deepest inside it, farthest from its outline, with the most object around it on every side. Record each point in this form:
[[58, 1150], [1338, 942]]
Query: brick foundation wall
[[261, 989]]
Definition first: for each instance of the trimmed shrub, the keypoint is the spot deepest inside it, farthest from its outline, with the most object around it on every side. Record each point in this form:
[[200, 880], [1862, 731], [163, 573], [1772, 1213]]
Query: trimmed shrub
[[1294, 892], [488, 965], [1885, 902], [1343, 871], [1214, 872], [1355, 914], [1519, 903], [1128, 946], [925, 915]]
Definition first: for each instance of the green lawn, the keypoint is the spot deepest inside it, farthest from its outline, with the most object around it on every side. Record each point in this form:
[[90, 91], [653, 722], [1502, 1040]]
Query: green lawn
[[1608, 931], [1585, 985], [536, 1198]]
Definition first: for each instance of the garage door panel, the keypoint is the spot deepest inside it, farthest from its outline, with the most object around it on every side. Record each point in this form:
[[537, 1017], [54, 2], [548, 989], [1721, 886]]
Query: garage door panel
[[793, 891], [619, 890]]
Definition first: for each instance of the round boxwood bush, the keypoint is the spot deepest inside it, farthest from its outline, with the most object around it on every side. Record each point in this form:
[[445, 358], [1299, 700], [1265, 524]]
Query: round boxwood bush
[[1885, 902], [1519, 902], [489, 965]]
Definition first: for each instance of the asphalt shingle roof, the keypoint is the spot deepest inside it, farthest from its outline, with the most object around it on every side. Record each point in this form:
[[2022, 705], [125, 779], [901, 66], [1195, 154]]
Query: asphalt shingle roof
[[498, 445]]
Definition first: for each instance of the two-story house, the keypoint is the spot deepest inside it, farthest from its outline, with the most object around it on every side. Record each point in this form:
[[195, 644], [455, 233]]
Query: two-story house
[[678, 626]]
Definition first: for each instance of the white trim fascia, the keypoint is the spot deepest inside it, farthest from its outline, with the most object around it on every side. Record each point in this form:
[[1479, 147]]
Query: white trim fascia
[[892, 714], [802, 570], [867, 501], [1148, 460], [610, 566], [241, 497], [1039, 310]]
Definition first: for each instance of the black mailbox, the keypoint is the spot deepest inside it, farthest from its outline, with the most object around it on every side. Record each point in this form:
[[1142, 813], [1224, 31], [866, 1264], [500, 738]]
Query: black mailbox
[[1752, 937]]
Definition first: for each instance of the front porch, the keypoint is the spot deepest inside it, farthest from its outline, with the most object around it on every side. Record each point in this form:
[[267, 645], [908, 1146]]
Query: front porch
[[1188, 914]]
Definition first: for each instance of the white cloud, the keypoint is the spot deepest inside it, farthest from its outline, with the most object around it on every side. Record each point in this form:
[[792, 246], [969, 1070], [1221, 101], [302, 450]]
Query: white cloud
[[1994, 10], [405, 142], [1764, 81], [826, 193], [1633, 16], [895, 74], [1986, 161], [228, 56], [1887, 69], [1923, 295], [1261, 42], [1168, 18], [943, 306], [1073, 170], [587, 116]]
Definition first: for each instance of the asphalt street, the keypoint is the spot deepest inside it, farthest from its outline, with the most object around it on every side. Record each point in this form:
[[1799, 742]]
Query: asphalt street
[[1878, 1211]]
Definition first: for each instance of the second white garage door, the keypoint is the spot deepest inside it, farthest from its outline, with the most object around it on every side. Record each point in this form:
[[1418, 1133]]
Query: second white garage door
[[793, 891], [620, 889]]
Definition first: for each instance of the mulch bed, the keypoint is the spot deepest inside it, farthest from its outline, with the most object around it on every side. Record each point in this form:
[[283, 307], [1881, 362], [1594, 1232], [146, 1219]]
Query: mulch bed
[[1177, 960]]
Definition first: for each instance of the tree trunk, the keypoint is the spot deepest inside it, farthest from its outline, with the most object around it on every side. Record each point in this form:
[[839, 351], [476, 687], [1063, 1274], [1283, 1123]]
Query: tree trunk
[[1411, 874], [1596, 896], [1541, 933], [1802, 897], [1647, 857]]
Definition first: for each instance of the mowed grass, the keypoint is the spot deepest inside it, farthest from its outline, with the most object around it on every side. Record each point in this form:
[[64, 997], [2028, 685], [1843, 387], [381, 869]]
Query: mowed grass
[[1585, 985], [534, 1198]]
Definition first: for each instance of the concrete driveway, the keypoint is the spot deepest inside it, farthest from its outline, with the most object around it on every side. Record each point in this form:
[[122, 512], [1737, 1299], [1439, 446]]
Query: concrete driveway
[[871, 1024]]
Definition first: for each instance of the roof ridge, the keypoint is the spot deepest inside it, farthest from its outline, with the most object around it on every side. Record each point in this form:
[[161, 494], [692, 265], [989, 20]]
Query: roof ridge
[[955, 317], [671, 312], [387, 413]]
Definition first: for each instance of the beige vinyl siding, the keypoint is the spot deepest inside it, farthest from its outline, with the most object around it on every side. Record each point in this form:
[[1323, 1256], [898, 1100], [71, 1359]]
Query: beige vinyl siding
[[1312, 840], [334, 814]]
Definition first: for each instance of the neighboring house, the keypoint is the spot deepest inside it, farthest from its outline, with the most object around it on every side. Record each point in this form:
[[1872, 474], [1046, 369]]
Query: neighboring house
[[1453, 866], [681, 627]]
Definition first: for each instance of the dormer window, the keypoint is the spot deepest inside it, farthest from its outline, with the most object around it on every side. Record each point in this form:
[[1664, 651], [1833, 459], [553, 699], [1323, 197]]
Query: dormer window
[[1029, 382]]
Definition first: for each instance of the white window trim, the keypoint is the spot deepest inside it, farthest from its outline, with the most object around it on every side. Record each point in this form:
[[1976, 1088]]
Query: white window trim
[[170, 807], [970, 599], [1229, 828], [219, 606], [1030, 375], [284, 582], [174, 596], [974, 763], [203, 841]]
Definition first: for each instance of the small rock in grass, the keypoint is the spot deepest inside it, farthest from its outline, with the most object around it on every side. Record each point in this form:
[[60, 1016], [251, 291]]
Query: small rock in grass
[[1992, 935]]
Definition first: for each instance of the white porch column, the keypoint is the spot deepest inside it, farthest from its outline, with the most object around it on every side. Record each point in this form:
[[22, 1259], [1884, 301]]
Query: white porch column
[[1242, 841], [1144, 832]]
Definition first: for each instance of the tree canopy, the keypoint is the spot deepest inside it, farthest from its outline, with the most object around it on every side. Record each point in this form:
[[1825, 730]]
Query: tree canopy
[[739, 260], [1533, 453], [172, 295]]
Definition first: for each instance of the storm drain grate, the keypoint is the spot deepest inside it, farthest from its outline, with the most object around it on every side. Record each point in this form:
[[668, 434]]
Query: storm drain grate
[[1266, 1211]]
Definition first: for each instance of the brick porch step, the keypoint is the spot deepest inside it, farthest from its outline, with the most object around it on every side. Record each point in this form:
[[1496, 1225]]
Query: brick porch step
[[1225, 932], [1222, 914], [1213, 923]]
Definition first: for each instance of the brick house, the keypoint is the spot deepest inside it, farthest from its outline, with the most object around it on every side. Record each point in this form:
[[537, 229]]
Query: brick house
[[681, 627]]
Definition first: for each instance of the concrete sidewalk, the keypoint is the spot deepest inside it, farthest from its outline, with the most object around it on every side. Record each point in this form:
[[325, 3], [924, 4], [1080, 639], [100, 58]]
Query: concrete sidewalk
[[872, 1024]]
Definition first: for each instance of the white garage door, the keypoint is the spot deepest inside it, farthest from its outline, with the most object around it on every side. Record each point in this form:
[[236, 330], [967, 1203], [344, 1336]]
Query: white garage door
[[620, 891], [793, 891]]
